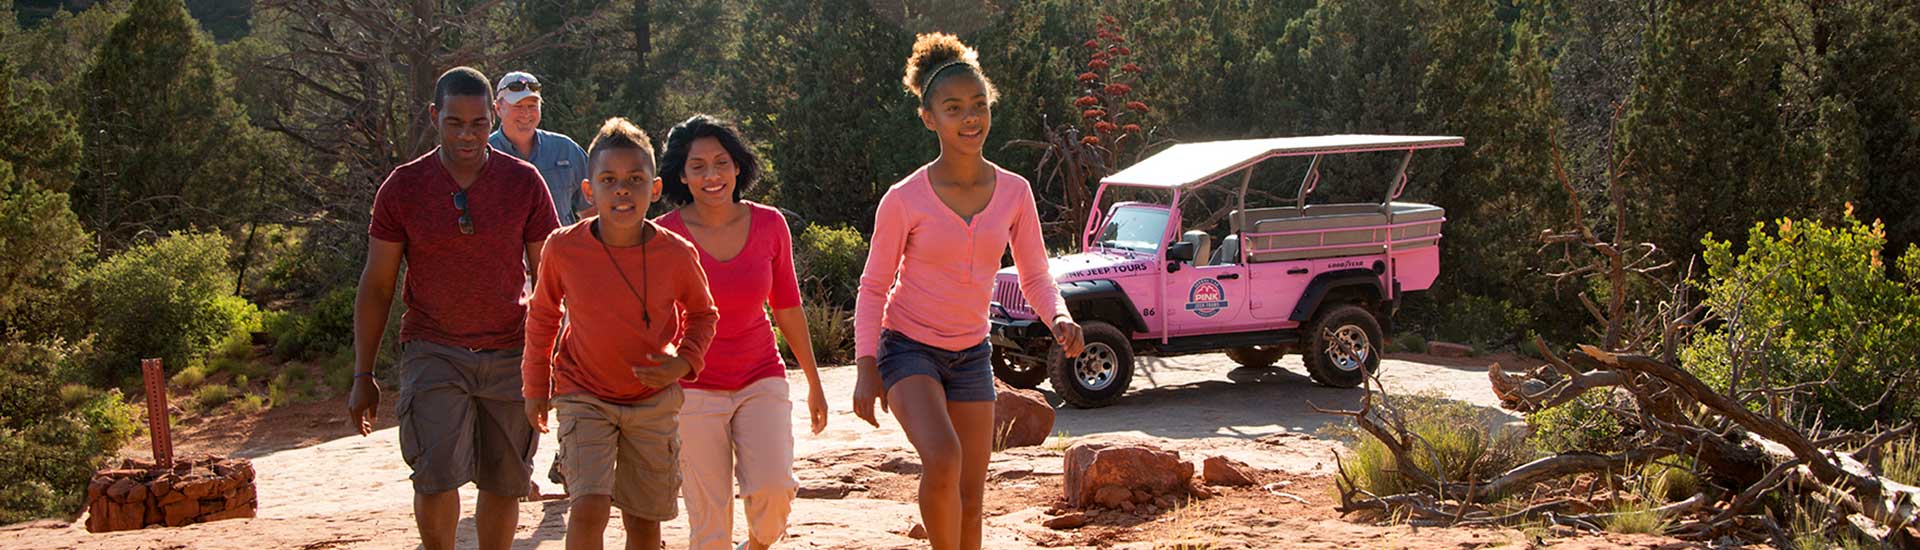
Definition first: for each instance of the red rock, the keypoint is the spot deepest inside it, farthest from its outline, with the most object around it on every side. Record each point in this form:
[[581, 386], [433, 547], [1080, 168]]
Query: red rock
[[245, 496], [121, 488], [1127, 506], [1448, 349], [1220, 470], [1111, 496], [138, 494], [98, 487], [182, 512], [160, 486], [917, 532], [198, 487], [1021, 418], [1201, 492], [1068, 521], [172, 497], [96, 516], [1141, 497], [128, 516], [230, 513], [1092, 465]]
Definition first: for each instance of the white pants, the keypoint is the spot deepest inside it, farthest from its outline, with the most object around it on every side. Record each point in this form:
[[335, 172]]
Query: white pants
[[746, 433]]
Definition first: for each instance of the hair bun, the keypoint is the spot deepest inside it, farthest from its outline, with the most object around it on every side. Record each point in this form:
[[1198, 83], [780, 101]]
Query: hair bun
[[930, 52]]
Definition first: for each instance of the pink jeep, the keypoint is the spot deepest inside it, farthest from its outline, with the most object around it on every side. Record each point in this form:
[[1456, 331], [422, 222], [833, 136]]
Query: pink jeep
[[1321, 279]]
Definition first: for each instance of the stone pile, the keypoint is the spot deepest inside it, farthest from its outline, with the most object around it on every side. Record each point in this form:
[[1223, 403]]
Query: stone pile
[[140, 494]]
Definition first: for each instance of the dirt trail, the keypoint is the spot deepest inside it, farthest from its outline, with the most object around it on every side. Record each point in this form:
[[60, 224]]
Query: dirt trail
[[352, 492]]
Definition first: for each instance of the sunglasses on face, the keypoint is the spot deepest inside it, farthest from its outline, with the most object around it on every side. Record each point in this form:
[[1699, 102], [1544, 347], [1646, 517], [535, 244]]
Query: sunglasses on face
[[522, 85], [466, 220]]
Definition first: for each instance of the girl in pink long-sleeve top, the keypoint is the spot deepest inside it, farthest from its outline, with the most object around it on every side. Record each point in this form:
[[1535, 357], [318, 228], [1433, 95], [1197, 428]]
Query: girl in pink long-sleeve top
[[920, 324]]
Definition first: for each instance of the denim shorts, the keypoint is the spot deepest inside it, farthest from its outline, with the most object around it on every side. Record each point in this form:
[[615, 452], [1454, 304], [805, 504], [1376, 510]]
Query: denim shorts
[[966, 375]]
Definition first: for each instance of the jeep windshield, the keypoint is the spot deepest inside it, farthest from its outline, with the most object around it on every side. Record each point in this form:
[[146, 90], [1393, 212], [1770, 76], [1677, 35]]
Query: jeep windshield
[[1137, 229]]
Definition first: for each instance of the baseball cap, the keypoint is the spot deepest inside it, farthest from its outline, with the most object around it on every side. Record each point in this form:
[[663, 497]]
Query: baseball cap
[[532, 88]]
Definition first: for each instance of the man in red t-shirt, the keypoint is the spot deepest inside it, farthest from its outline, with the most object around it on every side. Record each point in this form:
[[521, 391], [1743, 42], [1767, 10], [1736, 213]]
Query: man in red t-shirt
[[468, 221]]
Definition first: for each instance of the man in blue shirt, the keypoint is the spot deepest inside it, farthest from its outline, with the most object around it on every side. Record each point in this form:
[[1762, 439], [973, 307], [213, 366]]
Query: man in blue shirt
[[560, 161]]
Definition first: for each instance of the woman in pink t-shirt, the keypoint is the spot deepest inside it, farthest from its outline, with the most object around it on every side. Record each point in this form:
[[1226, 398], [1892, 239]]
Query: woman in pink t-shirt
[[920, 323], [736, 420]]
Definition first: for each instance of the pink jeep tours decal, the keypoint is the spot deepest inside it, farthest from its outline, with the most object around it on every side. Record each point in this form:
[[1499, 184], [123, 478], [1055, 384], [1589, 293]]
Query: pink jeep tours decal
[[1206, 298]]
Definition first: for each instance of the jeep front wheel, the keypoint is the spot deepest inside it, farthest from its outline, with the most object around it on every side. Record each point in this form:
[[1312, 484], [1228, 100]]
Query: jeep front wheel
[[1256, 356], [1019, 374], [1099, 375], [1341, 347]]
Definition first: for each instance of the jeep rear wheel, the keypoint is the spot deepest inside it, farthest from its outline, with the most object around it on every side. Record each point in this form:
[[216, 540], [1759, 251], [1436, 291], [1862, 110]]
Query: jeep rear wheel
[[1020, 374], [1341, 347], [1099, 375], [1256, 356]]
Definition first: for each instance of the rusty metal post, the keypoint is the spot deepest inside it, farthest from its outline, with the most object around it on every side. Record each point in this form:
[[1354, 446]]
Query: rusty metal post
[[156, 381]]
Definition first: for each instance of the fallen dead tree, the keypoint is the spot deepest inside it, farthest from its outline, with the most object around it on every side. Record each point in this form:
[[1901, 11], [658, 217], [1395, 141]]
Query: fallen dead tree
[[1756, 469]]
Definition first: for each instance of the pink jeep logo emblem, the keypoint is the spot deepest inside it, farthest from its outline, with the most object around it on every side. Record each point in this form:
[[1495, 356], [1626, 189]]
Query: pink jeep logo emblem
[[1206, 298]]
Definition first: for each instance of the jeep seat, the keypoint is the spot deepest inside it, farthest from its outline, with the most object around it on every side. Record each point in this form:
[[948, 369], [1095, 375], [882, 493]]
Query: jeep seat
[[1228, 252], [1202, 246]]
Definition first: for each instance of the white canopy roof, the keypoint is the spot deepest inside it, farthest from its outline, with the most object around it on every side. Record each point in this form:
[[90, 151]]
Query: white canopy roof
[[1191, 164]]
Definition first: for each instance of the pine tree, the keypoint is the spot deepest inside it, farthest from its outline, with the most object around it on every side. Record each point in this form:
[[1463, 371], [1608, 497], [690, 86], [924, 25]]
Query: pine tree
[[168, 147]]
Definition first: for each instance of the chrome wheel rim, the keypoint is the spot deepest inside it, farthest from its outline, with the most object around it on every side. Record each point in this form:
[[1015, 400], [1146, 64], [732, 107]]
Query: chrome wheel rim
[[1097, 367], [1348, 347]]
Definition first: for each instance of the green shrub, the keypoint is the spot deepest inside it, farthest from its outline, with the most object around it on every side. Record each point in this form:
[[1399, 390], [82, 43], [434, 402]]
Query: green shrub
[[212, 396], [290, 386], [828, 261], [52, 444], [250, 404], [337, 371], [1901, 461], [1479, 322], [831, 331], [1407, 342], [170, 299], [321, 330], [1820, 297], [192, 376], [42, 249], [1580, 425], [1452, 440]]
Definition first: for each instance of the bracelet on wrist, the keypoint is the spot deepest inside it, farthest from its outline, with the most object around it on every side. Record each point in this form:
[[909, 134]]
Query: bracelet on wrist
[[363, 375]]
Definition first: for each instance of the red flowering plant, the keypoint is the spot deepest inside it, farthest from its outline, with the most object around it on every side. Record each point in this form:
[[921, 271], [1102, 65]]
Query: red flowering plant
[[1112, 122]]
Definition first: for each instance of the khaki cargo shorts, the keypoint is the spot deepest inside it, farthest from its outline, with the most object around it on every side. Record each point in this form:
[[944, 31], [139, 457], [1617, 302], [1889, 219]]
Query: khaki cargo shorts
[[462, 419], [629, 451]]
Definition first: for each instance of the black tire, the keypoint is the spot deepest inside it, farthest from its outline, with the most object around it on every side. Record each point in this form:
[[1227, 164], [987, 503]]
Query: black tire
[[1018, 374], [1256, 356], [1100, 375], [1342, 346]]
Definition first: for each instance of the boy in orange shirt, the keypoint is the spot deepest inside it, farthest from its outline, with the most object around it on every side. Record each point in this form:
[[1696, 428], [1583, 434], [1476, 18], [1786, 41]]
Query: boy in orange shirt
[[614, 372]]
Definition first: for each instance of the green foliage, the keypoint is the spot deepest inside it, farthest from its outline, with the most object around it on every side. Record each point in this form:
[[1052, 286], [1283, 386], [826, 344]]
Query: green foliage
[[168, 146], [170, 299], [800, 115], [291, 385], [1580, 425], [41, 141], [337, 371], [1451, 440], [52, 443], [1476, 321], [1901, 461], [831, 329], [828, 261], [324, 328], [192, 376], [248, 404], [212, 396], [1407, 342], [1818, 294], [42, 251]]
